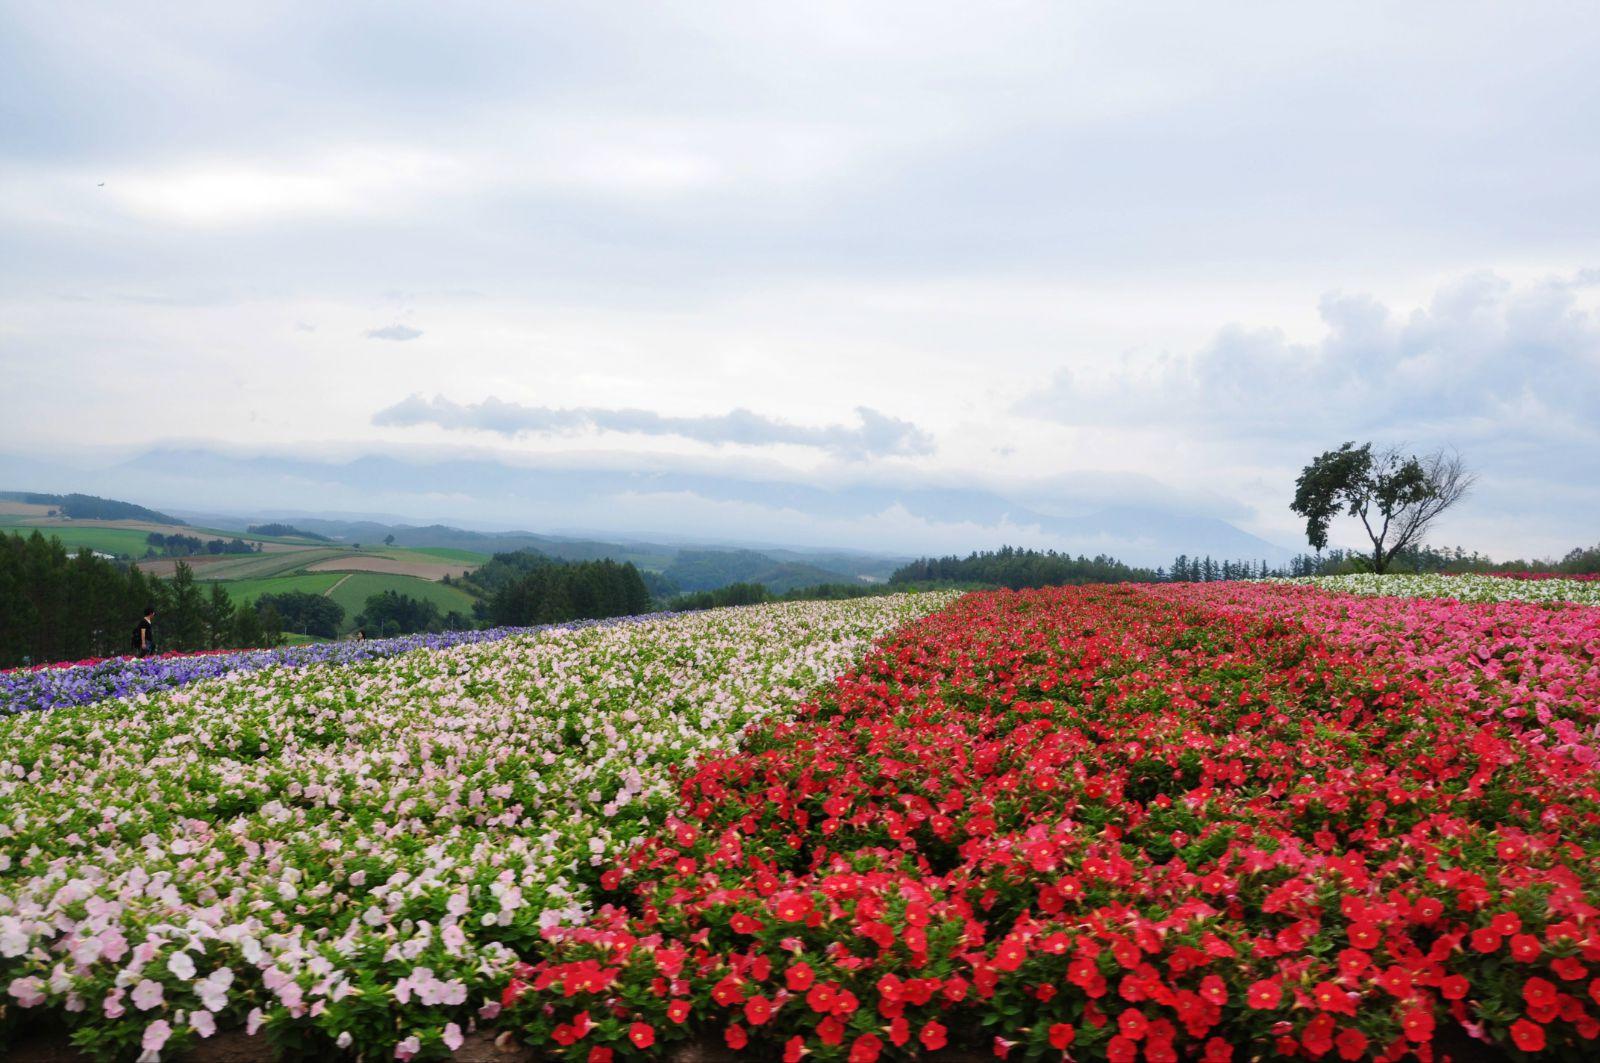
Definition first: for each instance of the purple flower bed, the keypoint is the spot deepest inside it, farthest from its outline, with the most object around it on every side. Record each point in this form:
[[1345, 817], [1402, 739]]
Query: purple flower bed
[[122, 677]]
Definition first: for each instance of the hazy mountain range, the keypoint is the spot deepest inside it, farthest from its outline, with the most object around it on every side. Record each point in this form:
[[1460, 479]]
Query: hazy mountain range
[[672, 507]]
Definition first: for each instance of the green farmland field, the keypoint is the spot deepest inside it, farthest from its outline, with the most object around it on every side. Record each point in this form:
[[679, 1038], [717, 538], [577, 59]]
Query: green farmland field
[[106, 540], [450, 553], [250, 567], [354, 592], [248, 590]]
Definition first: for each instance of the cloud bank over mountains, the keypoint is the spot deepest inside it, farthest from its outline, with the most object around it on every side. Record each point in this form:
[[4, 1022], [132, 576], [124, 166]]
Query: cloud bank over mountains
[[1142, 523], [877, 435]]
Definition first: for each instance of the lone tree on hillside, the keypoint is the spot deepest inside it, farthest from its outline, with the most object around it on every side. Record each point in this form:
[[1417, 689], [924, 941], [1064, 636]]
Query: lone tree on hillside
[[1396, 495]]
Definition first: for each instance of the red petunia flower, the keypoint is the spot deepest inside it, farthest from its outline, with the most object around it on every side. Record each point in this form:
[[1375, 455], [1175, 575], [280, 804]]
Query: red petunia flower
[[799, 977], [933, 1037], [1525, 948], [1062, 1035], [1417, 1024], [1528, 1036], [1352, 1044], [1364, 935], [1539, 992], [642, 1035], [1264, 995], [865, 1049]]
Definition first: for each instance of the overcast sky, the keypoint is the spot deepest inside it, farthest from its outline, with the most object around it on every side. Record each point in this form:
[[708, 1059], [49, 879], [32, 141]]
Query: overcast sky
[[1020, 247]]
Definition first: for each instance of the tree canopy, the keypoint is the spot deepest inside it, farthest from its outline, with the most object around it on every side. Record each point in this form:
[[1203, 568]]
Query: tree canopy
[[1395, 495]]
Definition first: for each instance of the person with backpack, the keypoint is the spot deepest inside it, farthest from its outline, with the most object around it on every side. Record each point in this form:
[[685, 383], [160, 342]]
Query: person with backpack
[[144, 633]]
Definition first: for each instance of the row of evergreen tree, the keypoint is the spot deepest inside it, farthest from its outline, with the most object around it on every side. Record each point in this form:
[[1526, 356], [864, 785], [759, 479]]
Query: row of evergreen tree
[[1017, 568], [176, 545], [551, 592], [56, 606]]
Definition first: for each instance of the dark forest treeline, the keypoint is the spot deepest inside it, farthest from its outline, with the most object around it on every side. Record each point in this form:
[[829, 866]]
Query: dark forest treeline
[[1016, 568], [529, 588], [1576, 562], [56, 606], [90, 507], [285, 531], [189, 545]]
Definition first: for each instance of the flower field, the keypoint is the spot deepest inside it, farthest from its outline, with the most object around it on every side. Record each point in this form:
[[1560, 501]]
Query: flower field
[[1215, 821], [350, 853], [51, 686], [1582, 590]]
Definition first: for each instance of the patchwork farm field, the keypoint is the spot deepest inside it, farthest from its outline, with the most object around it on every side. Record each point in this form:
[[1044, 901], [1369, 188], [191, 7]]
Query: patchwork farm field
[[1227, 821], [248, 590], [353, 589]]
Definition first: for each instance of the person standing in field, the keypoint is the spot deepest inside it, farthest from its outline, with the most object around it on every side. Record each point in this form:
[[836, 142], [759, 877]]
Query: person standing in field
[[144, 634]]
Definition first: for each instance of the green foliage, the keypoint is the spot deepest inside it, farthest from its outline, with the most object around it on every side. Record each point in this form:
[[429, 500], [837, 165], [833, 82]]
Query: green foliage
[[392, 613], [190, 545], [307, 614], [1394, 495], [1016, 568], [57, 606], [504, 569], [90, 507], [550, 592], [285, 531], [732, 594], [219, 618]]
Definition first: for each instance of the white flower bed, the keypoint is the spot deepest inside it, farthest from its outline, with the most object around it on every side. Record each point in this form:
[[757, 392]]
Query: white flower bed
[[355, 855], [1466, 588]]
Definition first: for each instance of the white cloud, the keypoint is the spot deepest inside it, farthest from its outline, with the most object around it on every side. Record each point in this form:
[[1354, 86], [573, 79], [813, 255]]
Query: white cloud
[[399, 333], [877, 434]]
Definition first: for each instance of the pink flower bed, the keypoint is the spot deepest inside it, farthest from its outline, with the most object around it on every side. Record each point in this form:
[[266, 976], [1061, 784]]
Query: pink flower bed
[[1535, 666]]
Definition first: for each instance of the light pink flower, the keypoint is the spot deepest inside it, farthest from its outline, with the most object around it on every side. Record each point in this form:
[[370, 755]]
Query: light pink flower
[[147, 994], [156, 1035], [28, 991]]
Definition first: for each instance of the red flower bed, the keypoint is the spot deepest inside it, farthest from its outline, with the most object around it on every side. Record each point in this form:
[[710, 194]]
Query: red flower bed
[[1117, 823]]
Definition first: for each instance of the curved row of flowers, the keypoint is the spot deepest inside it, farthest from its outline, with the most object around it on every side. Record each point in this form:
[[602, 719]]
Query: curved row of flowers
[[349, 855], [83, 683], [1533, 667], [1472, 587], [1107, 823]]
